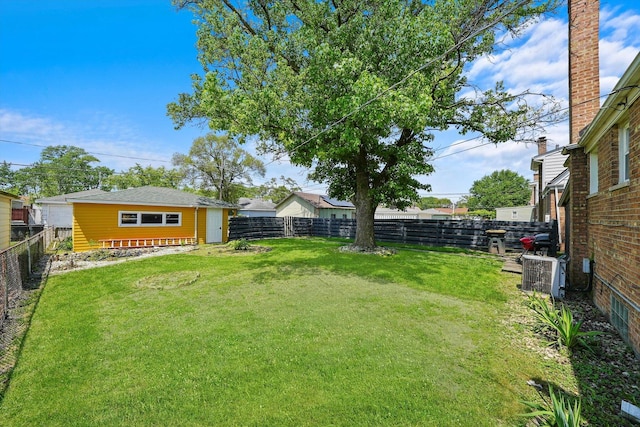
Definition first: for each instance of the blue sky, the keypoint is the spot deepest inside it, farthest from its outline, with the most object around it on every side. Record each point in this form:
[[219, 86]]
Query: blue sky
[[98, 74]]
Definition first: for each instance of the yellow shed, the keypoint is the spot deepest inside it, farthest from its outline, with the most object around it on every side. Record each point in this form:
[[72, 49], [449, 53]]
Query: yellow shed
[[148, 216], [5, 218]]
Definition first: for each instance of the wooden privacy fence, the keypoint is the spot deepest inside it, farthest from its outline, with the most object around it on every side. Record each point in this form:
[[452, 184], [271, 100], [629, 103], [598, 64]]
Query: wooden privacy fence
[[468, 234]]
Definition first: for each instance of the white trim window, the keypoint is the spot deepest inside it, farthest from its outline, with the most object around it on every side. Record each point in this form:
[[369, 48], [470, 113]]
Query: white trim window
[[623, 154], [593, 172], [149, 219]]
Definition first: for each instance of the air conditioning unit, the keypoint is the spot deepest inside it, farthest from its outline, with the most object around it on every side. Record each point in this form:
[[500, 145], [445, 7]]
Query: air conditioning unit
[[544, 274]]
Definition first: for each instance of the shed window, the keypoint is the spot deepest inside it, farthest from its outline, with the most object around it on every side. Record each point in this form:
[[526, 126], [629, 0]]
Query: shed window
[[149, 219]]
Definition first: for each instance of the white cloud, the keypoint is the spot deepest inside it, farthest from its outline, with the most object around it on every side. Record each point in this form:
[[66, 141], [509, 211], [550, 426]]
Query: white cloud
[[110, 139]]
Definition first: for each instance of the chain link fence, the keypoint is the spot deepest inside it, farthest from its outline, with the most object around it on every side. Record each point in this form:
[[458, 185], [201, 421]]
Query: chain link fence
[[17, 263]]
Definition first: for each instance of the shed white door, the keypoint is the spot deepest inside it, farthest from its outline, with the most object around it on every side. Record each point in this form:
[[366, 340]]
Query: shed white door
[[214, 225]]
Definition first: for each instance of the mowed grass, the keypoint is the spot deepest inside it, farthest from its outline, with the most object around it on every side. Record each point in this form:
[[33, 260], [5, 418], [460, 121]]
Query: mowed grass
[[303, 335]]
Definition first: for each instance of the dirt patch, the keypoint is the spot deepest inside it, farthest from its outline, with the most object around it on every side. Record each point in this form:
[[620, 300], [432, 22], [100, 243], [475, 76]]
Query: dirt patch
[[228, 250], [69, 261]]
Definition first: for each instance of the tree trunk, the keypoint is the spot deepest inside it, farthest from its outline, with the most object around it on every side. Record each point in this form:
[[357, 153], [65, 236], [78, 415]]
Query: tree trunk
[[365, 209]]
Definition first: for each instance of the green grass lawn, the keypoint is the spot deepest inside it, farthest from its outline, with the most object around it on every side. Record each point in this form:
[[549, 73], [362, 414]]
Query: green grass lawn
[[303, 335]]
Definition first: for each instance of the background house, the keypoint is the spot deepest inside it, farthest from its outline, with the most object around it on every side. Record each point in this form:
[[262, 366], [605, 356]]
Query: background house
[[137, 216], [256, 207], [391, 213], [57, 212], [516, 213], [308, 205], [5, 218], [603, 196], [550, 177]]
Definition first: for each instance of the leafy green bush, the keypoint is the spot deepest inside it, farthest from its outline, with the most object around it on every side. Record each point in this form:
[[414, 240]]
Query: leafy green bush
[[561, 322], [558, 411], [66, 244], [239, 245]]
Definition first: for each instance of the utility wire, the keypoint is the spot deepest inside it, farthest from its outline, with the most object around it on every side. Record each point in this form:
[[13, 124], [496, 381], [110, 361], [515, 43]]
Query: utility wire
[[88, 152]]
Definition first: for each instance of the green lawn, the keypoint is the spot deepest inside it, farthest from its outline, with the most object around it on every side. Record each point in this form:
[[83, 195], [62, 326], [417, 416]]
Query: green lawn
[[303, 335]]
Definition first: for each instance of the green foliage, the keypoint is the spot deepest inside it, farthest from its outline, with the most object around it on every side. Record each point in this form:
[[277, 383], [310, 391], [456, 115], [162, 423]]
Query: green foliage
[[434, 202], [503, 188], [217, 162], [561, 322], [138, 176], [239, 245], [558, 411], [61, 169], [66, 244], [481, 213], [356, 91], [272, 190]]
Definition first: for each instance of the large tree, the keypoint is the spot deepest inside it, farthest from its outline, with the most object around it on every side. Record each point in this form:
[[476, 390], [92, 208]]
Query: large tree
[[138, 176], [355, 89], [217, 161], [500, 189], [274, 190], [61, 169]]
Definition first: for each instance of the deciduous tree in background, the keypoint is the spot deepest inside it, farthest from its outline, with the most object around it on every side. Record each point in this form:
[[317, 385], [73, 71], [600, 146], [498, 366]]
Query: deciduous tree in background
[[274, 191], [138, 176], [216, 161], [355, 89], [61, 169], [501, 189]]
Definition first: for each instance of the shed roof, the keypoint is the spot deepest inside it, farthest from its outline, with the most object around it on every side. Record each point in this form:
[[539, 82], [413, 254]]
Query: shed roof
[[9, 195], [153, 196], [62, 198]]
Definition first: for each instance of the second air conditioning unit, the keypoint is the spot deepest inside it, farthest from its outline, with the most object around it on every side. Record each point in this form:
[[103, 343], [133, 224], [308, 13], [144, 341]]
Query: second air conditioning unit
[[544, 274]]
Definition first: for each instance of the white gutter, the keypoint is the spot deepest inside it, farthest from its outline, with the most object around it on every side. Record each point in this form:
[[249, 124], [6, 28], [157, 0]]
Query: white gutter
[[558, 215]]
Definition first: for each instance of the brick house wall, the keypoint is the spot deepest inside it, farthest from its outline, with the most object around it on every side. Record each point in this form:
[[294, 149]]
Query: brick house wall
[[614, 229], [603, 208]]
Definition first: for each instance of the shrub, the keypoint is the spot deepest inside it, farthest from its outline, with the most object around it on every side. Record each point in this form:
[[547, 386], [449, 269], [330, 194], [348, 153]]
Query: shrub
[[561, 322], [66, 244], [239, 245], [559, 410]]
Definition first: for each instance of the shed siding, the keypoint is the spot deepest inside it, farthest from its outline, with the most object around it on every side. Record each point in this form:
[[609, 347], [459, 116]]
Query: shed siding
[[5, 222], [94, 222], [296, 207]]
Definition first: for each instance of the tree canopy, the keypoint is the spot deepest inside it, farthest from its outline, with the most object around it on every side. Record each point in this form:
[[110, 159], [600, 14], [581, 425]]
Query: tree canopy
[[61, 169], [501, 189], [274, 190], [354, 90], [138, 176], [217, 162]]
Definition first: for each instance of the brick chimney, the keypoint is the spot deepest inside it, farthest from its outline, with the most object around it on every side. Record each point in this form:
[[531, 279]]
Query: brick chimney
[[584, 75], [542, 145], [584, 103]]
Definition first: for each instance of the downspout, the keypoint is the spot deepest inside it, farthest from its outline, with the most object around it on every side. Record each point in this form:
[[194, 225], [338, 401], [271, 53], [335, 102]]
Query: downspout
[[195, 231], [558, 215]]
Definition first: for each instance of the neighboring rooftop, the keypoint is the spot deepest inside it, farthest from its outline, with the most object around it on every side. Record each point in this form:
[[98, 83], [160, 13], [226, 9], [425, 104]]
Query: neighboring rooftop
[[256, 204], [155, 196], [321, 201], [62, 198]]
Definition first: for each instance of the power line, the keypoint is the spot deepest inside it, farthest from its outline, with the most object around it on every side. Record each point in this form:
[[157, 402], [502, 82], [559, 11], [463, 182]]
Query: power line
[[88, 152]]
